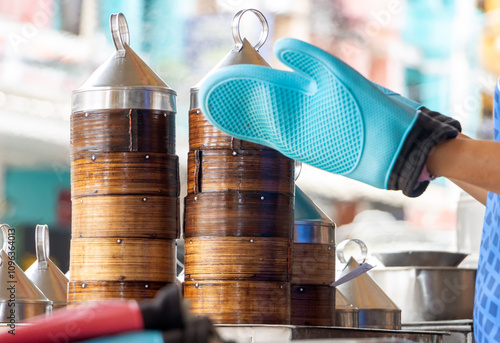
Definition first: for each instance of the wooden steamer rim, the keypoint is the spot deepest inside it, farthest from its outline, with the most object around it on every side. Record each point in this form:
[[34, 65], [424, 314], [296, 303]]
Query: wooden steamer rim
[[242, 170], [237, 258], [124, 173], [83, 291], [141, 216], [240, 302], [122, 130], [232, 213], [123, 259]]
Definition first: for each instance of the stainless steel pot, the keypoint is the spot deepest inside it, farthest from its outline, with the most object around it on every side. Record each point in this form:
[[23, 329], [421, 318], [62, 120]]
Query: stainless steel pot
[[429, 293]]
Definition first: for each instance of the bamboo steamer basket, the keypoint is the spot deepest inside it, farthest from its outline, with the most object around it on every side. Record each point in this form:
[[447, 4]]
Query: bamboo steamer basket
[[83, 291], [242, 170], [123, 130], [205, 136], [141, 216], [312, 305], [125, 176], [124, 173], [240, 302], [127, 259], [237, 258], [232, 213]]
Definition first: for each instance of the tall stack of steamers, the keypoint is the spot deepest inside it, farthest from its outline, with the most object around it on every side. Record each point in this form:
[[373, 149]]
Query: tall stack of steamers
[[239, 217], [239, 208], [124, 179]]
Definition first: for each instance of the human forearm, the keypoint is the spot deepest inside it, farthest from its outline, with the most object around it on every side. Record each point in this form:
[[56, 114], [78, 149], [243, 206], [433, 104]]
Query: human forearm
[[474, 162]]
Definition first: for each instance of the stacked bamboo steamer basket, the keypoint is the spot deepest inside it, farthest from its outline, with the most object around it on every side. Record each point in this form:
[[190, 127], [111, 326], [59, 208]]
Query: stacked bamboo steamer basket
[[238, 217], [313, 265], [124, 179]]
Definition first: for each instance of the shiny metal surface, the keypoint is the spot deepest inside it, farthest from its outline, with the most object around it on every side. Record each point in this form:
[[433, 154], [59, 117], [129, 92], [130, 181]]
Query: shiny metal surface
[[16, 290], [346, 314], [235, 27], [429, 293], [285, 333], [242, 53], [343, 244], [307, 211], [376, 309], [123, 80], [45, 274], [311, 232], [420, 258]]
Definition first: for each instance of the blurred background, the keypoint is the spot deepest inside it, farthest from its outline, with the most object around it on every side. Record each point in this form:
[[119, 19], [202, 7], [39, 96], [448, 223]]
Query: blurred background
[[441, 53]]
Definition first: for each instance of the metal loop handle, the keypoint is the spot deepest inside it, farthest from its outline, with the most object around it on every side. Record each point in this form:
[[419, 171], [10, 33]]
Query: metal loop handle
[[119, 32], [5, 235], [235, 27], [42, 246], [342, 245]]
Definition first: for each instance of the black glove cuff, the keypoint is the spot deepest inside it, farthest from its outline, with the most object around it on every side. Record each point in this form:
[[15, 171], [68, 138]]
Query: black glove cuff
[[442, 118], [430, 129]]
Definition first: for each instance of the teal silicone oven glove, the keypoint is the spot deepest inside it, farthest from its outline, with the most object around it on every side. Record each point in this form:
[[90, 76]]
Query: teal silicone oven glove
[[324, 113]]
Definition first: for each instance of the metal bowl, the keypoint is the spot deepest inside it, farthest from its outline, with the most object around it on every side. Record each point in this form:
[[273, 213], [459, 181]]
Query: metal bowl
[[420, 258]]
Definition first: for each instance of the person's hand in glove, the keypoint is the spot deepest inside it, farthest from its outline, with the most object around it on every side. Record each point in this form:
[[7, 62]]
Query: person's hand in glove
[[326, 114]]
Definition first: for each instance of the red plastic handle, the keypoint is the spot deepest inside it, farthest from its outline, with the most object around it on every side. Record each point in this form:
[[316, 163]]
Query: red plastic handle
[[85, 322]]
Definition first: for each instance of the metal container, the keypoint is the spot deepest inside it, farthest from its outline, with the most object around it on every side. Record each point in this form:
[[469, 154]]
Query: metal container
[[124, 177], [346, 314], [376, 309], [44, 273], [124, 80], [429, 293], [20, 299], [420, 258], [313, 259], [313, 264]]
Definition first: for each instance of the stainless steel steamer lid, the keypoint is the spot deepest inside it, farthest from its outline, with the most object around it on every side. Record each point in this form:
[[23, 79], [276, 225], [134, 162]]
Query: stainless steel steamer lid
[[312, 225], [124, 80], [242, 53], [44, 273], [13, 278]]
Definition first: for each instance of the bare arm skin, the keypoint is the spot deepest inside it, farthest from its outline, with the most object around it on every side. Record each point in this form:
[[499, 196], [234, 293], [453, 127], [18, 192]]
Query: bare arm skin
[[472, 164]]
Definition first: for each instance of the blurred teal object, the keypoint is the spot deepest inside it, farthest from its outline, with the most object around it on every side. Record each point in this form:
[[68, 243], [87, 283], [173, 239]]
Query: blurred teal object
[[429, 25], [147, 336], [32, 195]]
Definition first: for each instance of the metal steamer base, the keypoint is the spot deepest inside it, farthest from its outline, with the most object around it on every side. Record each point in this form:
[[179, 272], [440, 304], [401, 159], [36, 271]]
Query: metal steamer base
[[286, 333]]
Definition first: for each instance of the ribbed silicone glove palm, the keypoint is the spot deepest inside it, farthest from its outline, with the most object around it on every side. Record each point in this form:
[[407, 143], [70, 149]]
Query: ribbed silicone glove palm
[[324, 113]]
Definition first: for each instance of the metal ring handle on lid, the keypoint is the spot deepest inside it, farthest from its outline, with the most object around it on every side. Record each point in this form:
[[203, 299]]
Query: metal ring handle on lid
[[5, 235], [42, 245], [119, 32], [235, 26], [342, 245]]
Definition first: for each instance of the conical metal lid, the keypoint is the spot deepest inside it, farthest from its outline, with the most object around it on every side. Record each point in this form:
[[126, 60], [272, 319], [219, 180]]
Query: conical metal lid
[[363, 292], [13, 281], [124, 80], [242, 53], [312, 225], [44, 273], [342, 304]]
